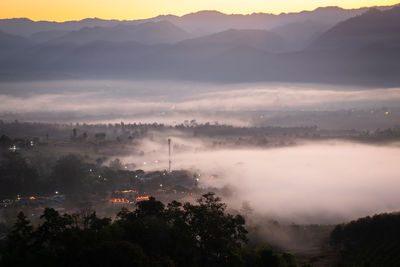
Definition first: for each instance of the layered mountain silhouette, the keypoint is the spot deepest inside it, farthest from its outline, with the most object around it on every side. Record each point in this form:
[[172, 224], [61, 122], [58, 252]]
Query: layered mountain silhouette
[[207, 22], [10, 43], [199, 23], [363, 49], [258, 39], [26, 27], [146, 33], [301, 34], [374, 27], [45, 36]]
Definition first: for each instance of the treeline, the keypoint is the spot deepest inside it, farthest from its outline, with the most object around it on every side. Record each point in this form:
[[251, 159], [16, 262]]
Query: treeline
[[21, 133], [136, 130], [54, 131], [369, 241], [381, 135], [200, 234]]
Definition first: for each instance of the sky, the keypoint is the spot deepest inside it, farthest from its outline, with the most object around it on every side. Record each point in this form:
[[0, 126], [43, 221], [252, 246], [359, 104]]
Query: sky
[[62, 10]]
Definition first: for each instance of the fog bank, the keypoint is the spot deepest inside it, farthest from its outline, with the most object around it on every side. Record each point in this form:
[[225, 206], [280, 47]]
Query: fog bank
[[309, 183], [172, 102]]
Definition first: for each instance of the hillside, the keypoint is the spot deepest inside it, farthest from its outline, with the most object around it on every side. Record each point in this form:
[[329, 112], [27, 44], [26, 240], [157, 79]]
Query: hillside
[[370, 28], [258, 39], [363, 50], [10, 44], [369, 241], [146, 33]]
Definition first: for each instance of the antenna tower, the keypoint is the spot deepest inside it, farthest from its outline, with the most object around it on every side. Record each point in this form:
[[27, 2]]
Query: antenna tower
[[169, 154]]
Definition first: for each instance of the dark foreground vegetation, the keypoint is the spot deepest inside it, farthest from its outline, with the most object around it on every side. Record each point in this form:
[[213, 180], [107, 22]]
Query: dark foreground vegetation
[[184, 234], [179, 234], [369, 241]]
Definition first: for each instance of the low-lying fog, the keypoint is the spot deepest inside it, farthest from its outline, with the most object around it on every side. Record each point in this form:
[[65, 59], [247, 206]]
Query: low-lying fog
[[327, 182], [172, 102]]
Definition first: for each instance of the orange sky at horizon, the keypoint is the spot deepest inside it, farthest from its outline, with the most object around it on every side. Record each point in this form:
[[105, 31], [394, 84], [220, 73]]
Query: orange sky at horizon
[[62, 10]]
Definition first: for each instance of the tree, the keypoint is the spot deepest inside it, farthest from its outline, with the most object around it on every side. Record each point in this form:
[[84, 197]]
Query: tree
[[16, 176], [153, 234], [116, 164], [69, 174], [19, 241], [217, 234], [5, 141]]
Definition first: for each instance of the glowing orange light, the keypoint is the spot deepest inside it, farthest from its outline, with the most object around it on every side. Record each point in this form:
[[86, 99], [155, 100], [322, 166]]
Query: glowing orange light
[[143, 198], [119, 200]]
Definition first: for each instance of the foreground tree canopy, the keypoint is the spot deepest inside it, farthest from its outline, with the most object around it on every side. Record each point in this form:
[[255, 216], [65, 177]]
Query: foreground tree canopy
[[201, 234], [369, 241]]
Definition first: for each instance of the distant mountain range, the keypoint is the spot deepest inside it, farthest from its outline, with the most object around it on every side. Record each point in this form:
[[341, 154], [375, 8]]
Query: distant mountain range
[[372, 28], [330, 45], [147, 33], [198, 24], [10, 44], [258, 39]]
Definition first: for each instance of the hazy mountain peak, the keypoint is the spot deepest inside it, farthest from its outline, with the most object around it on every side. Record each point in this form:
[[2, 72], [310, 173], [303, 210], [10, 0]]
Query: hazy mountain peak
[[205, 13], [92, 20], [149, 32], [164, 23], [18, 20], [372, 11], [329, 8], [370, 27], [10, 38]]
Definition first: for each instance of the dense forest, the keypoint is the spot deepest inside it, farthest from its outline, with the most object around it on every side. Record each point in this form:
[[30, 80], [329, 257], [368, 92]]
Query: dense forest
[[369, 241], [183, 234], [200, 234]]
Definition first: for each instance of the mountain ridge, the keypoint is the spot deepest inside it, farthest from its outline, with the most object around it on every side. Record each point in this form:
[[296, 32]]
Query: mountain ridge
[[147, 32], [26, 27], [359, 50]]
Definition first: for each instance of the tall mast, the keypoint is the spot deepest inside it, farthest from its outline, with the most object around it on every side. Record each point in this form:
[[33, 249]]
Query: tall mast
[[169, 154]]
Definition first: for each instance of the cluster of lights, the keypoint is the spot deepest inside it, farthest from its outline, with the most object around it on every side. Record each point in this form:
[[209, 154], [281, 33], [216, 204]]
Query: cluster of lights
[[130, 191], [145, 162], [143, 198], [119, 200]]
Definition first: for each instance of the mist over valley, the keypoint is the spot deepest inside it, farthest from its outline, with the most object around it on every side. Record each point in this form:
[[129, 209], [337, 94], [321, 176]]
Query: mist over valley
[[207, 139]]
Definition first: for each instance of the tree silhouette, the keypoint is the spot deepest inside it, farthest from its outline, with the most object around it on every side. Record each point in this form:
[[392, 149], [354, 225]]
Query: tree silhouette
[[200, 234]]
